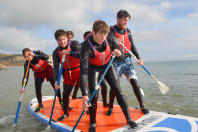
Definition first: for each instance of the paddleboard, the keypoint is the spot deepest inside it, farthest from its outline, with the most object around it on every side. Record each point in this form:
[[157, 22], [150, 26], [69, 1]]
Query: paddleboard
[[152, 122]]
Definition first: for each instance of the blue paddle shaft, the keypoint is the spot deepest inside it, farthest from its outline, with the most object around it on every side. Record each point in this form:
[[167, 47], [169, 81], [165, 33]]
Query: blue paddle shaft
[[56, 91], [17, 113], [95, 90], [146, 70]]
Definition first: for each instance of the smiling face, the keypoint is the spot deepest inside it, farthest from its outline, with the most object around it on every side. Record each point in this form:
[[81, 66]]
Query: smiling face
[[99, 37], [62, 41], [28, 55], [123, 22]]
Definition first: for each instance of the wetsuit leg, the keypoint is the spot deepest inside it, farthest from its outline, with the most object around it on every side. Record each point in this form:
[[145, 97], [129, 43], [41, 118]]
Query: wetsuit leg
[[76, 88], [93, 79], [104, 92], [111, 101], [66, 93], [114, 83], [38, 84], [136, 89], [58, 93]]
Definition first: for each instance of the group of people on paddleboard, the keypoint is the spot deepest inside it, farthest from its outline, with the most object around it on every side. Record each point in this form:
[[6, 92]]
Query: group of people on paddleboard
[[84, 65]]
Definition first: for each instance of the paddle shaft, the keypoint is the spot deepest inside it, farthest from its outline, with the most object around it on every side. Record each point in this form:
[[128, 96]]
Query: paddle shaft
[[147, 71], [56, 91], [20, 100], [95, 90]]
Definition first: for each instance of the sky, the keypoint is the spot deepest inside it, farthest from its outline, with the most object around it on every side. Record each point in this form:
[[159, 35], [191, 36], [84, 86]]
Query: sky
[[162, 30]]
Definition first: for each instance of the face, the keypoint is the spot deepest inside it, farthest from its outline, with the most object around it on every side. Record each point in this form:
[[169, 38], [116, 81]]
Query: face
[[99, 37], [62, 41], [28, 55], [70, 37], [122, 23]]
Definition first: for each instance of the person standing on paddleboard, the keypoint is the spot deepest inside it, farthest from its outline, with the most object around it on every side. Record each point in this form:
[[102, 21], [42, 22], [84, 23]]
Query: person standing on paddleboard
[[95, 55], [104, 82], [71, 66], [42, 69], [70, 36], [122, 34]]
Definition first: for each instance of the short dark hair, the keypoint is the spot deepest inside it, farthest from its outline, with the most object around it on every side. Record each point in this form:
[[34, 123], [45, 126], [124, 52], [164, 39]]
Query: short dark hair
[[70, 33], [59, 32], [123, 14], [25, 50], [86, 33], [101, 27]]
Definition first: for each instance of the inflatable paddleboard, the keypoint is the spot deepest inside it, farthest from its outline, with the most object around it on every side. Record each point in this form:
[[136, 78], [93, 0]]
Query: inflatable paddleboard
[[152, 122]]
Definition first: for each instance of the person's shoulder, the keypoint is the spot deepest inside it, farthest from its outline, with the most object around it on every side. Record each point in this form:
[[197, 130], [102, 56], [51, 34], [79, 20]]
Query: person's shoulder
[[75, 42], [85, 44], [113, 29], [128, 30], [39, 52], [56, 50]]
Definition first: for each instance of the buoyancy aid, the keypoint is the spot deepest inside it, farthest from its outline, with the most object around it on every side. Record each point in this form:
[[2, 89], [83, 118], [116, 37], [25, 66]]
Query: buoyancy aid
[[101, 58], [71, 62], [40, 66], [123, 40]]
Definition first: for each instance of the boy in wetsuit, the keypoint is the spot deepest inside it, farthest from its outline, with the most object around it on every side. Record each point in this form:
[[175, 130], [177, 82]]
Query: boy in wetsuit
[[95, 55], [71, 66], [70, 36], [126, 68], [104, 82], [41, 70]]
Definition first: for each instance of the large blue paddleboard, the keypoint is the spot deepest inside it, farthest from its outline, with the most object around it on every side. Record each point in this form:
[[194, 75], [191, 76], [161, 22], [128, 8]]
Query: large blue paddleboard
[[152, 122]]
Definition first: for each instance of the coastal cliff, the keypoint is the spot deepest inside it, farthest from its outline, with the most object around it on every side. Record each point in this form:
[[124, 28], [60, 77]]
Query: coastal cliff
[[14, 60]]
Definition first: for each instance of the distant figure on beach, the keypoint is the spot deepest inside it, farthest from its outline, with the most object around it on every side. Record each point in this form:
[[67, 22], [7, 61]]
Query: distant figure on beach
[[123, 35], [42, 70]]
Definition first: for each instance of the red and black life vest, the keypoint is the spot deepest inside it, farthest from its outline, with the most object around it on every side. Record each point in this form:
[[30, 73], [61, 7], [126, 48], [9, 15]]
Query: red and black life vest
[[123, 39], [101, 58], [40, 66], [71, 62]]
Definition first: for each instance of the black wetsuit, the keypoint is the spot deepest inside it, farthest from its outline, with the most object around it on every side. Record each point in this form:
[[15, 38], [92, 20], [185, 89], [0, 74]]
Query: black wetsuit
[[134, 83], [38, 81], [89, 75], [75, 52]]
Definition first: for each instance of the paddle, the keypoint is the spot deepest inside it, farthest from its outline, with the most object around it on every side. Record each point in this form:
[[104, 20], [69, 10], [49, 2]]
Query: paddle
[[23, 88], [58, 83], [95, 90], [163, 88]]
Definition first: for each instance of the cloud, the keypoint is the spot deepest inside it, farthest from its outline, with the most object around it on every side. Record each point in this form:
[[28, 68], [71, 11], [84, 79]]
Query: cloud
[[14, 40], [33, 14], [194, 15], [144, 14], [155, 25]]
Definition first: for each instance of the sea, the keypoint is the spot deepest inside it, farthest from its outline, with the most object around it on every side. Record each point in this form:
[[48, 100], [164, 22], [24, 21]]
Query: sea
[[180, 76]]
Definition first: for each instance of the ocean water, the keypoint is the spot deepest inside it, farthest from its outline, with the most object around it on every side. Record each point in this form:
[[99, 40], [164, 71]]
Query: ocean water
[[180, 76]]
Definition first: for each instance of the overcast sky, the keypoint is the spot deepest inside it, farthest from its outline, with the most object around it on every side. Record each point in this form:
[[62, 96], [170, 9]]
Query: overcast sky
[[161, 29]]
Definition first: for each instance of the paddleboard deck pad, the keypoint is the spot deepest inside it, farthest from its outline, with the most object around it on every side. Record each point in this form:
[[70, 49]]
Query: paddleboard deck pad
[[152, 122]]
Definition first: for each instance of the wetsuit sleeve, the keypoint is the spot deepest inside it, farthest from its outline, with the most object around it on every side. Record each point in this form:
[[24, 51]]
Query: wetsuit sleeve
[[113, 42], [41, 55], [133, 48], [84, 65], [75, 49], [56, 62], [25, 69]]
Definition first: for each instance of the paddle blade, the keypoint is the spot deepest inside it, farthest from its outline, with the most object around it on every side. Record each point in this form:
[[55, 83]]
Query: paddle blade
[[163, 88]]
